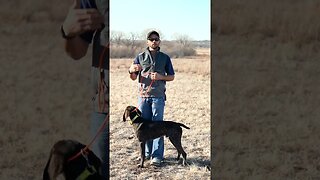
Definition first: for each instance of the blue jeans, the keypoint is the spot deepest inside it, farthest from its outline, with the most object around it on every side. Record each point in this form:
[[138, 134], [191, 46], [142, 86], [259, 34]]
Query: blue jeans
[[101, 145], [152, 108]]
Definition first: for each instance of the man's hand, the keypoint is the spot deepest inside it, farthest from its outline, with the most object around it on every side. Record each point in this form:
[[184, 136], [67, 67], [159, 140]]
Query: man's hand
[[135, 68], [156, 76], [79, 20]]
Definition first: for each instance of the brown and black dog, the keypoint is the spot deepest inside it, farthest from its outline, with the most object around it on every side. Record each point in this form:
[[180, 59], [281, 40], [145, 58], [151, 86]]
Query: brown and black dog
[[146, 130], [86, 166]]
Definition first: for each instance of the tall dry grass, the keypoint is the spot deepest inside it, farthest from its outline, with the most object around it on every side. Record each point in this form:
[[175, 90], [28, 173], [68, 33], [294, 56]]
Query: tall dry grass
[[198, 64], [265, 89], [286, 20]]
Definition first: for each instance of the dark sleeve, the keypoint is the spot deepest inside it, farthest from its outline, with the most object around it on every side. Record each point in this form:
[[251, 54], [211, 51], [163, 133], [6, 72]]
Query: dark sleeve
[[169, 67], [136, 60], [86, 4]]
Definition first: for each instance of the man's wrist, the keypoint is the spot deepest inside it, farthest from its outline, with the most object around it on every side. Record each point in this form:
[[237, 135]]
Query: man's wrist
[[134, 72], [64, 34]]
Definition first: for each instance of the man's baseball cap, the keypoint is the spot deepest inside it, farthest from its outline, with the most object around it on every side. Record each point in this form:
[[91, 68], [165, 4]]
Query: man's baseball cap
[[153, 32]]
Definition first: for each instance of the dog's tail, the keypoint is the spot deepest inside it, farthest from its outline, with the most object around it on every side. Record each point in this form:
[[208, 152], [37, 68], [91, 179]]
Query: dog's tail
[[180, 124]]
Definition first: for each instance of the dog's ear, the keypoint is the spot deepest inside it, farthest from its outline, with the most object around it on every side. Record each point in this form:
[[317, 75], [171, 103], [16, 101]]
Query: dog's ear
[[125, 115]]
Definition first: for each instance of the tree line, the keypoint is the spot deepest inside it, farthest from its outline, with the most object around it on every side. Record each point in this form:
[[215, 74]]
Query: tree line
[[129, 45]]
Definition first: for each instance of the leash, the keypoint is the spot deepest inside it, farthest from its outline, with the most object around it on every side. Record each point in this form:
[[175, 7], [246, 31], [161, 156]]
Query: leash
[[86, 148], [101, 85], [149, 88], [135, 109]]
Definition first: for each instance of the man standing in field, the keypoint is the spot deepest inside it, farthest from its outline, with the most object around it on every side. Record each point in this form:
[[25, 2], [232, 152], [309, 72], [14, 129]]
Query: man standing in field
[[86, 22], [153, 68]]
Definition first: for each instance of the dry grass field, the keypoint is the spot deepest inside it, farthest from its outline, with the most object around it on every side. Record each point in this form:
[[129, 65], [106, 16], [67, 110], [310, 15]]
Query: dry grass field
[[265, 95], [188, 101], [46, 97], [266, 89], [265, 111]]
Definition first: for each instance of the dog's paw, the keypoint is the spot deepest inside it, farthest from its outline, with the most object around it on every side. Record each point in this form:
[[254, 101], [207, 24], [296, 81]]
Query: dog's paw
[[184, 163]]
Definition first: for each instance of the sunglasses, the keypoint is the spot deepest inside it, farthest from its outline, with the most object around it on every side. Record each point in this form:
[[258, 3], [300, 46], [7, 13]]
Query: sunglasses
[[153, 39]]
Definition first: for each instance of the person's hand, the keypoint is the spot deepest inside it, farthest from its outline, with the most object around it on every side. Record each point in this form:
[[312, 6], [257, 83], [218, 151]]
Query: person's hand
[[135, 68], [156, 76], [79, 20]]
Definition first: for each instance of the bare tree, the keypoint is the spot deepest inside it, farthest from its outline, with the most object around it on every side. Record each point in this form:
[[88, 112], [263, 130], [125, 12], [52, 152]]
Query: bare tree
[[117, 37], [131, 40], [183, 39]]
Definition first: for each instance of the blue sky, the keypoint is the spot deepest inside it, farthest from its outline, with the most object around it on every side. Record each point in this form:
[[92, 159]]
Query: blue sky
[[183, 17]]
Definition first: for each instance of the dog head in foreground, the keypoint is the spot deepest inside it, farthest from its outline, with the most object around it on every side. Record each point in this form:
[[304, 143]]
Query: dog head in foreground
[[131, 112], [85, 166]]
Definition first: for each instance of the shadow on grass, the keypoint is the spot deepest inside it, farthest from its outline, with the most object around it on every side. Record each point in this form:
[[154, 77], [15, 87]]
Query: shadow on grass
[[196, 162]]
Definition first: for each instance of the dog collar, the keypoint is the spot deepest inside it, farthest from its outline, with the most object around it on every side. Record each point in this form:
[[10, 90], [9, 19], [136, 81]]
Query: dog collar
[[134, 119], [86, 173]]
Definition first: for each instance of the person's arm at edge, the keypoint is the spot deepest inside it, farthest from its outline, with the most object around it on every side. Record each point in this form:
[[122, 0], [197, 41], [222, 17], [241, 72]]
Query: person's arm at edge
[[134, 75], [167, 78], [76, 24], [169, 70], [76, 47]]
